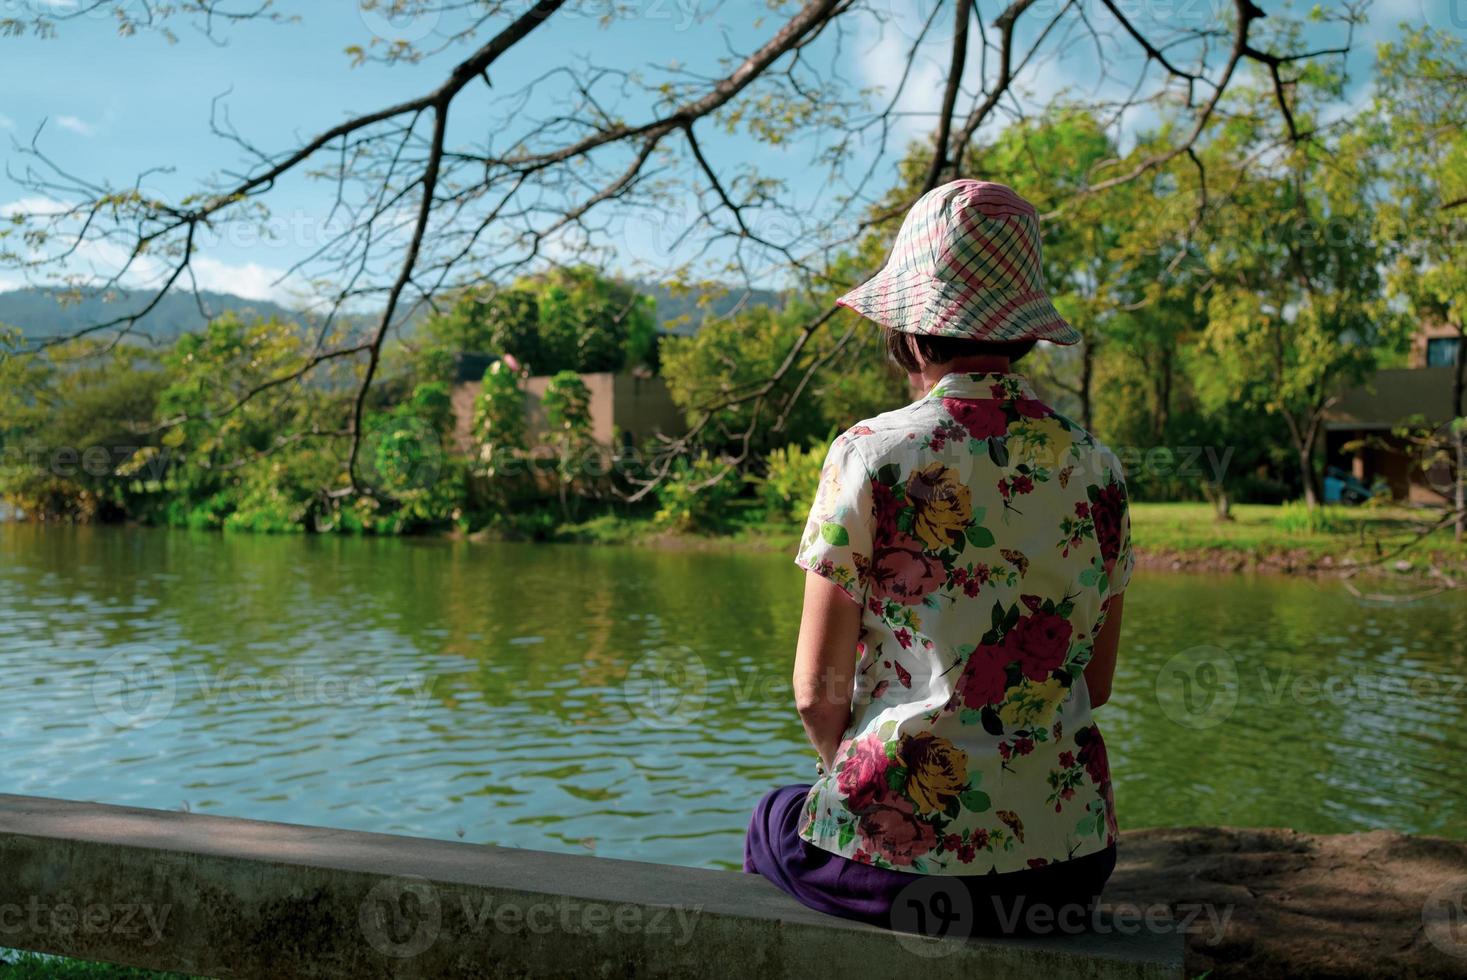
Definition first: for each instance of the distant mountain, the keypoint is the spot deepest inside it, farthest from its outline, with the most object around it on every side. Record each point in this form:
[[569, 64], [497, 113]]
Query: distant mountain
[[684, 312], [43, 312]]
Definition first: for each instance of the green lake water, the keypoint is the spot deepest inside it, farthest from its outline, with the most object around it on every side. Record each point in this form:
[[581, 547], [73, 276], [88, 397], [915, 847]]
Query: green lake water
[[634, 703]]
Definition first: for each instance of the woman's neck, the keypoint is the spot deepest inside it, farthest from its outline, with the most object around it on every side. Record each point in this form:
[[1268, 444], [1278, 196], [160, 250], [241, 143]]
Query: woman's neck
[[986, 364]]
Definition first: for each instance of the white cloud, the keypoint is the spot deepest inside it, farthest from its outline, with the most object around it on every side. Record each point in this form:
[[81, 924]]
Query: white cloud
[[32, 206], [6, 122], [76, 125], [102, 259], [884, 52], [250, 280]]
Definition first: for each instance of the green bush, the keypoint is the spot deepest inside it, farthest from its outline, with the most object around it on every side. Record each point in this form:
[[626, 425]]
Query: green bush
[[695, 495], [788, 486], [1296, 518]]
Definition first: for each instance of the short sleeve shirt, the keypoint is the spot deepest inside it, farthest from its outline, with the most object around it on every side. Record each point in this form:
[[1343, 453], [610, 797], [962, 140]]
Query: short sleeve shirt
[[982, 534]]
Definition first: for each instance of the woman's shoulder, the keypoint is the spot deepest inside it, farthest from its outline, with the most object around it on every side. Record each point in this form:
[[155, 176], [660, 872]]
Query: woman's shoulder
[[881, 435]]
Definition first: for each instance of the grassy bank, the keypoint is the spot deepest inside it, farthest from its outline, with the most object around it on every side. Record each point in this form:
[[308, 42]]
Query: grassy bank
[[18, 965], [1288, 538], [1180, 535]]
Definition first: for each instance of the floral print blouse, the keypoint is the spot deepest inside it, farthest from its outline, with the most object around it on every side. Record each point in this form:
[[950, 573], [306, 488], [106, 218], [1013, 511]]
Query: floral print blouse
[[983, 535]]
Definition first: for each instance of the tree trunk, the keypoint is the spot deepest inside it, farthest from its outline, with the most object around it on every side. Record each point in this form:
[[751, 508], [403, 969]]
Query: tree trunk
[[1459, 411], [1303, 437], [1461, 501], [1222, 501], [1087, 374], [1306, 476]]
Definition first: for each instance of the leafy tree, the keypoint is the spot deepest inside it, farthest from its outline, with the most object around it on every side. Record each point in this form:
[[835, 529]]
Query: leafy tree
[[1420, 122], [500, 432], [74, 426], [567, 407], [499, 418], [568, 319], [1297, 306], [1048, 160]]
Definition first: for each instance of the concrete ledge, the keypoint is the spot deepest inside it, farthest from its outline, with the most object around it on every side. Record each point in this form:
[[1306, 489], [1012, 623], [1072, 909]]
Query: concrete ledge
[[243, 898]]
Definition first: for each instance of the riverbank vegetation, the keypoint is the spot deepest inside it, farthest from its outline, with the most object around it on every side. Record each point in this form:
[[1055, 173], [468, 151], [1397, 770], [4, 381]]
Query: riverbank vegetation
[[21, 965], [1288, 538], [1227, 295]]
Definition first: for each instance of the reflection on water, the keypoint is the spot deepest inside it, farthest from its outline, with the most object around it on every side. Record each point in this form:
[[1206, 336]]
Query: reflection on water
[[633, 703]]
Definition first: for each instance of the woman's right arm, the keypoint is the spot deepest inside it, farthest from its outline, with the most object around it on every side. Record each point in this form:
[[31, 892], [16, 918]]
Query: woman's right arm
[[1101, 669]]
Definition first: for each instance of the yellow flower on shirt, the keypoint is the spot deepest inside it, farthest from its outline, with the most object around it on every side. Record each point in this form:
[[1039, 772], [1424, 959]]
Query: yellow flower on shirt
[[1032, 703], [937, 770], [943, 505]]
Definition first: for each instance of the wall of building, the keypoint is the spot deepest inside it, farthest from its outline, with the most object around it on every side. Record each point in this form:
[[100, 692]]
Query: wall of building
[[1428, 332], [632, 404]]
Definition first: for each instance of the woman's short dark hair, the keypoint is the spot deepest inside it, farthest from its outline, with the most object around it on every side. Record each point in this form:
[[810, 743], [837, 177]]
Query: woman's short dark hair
[[912, 350]]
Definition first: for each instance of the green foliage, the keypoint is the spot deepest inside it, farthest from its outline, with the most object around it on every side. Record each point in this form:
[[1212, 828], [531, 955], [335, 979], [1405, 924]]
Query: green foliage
[[733, 356], [1297, 518], [789, 483], [69, 423], [1419, 123], [567, 406], [697, 493], [500, 437], [564, 320], [1226, 296], [22, 965]]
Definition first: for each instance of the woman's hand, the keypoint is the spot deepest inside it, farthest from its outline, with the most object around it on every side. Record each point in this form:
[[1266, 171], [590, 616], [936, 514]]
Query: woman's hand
[[825, 664]]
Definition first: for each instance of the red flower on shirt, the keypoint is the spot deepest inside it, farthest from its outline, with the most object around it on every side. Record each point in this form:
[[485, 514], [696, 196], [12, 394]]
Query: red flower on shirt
[[904, 572], [884, 510], [984, 677], [982, 417], [1108, 509], [862, 776], [895, 832], [1040, 643]]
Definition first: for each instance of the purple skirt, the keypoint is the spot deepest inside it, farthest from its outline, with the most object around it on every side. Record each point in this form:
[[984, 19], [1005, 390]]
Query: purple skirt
[[1057, 897]]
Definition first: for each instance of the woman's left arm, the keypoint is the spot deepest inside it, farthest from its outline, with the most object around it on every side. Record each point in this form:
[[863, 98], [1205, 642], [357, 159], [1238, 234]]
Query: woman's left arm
[[825, 664]]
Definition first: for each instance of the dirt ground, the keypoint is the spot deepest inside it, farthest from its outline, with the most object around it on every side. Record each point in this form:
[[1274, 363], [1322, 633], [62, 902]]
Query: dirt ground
[[1269, 903]]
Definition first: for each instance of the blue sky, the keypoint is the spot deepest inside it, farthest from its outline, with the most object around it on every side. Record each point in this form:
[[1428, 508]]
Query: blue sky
[[115, 107]]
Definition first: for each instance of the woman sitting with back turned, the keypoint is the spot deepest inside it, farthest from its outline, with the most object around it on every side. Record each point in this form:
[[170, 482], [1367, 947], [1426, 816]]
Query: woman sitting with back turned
[[966, 560]]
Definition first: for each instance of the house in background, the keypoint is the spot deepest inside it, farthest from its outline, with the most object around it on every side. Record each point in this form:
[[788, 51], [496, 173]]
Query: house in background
[[628, 408], [1358, 436]]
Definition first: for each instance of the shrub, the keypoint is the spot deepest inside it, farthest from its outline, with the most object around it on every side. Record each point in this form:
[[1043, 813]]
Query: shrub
[[695, 495], [1296, 518], [788, 486]]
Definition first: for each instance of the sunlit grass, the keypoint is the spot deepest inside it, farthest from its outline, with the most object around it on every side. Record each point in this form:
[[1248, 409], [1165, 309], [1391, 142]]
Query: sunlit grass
[[1357, 534], [19, 965]]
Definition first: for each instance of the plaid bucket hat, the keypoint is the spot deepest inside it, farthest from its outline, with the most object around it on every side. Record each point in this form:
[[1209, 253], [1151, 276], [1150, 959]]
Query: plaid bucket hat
[[966, 263]]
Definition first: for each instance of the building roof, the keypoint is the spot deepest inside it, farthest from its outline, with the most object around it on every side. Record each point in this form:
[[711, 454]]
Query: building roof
[[1393, 396]]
